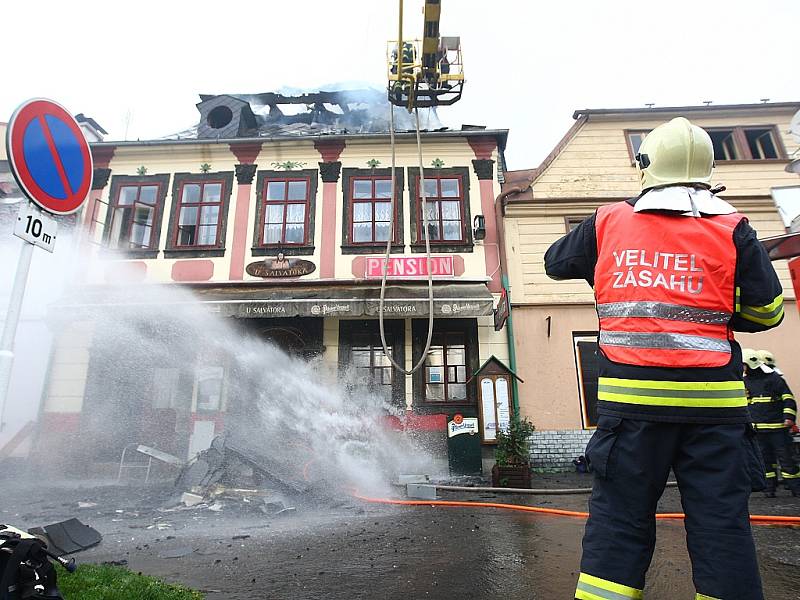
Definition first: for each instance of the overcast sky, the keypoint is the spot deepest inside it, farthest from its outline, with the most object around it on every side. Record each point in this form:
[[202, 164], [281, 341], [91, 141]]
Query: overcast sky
[[140, 65]]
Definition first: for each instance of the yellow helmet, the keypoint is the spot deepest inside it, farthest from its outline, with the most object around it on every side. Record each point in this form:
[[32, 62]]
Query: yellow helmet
[[766, 357], [750, 358], [674, 153]]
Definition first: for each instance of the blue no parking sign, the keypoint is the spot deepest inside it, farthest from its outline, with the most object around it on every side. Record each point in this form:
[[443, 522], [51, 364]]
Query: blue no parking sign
[[49, 156]]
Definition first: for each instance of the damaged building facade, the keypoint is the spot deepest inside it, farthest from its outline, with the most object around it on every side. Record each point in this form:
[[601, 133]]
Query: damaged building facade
[[594, 165], [274, 213]]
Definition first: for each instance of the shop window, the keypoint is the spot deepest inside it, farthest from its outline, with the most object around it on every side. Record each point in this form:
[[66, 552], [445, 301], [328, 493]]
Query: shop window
[[285, 215], [635, 139], [362, 351], [208, 388], [198, 222], [199, 214], [446, 368], [586, 367], [445, 377], [447, 208], [133, 220]]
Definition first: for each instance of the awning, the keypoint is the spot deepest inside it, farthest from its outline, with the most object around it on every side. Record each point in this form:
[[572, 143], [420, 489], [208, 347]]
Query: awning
[[254, 301], [451, 300], [782, 246]]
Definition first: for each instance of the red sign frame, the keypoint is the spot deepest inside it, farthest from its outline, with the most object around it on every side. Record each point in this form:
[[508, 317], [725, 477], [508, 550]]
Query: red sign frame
[[26, 113]]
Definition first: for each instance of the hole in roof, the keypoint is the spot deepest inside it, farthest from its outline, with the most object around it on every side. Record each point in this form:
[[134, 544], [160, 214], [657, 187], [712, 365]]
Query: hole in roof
[[219, 117]]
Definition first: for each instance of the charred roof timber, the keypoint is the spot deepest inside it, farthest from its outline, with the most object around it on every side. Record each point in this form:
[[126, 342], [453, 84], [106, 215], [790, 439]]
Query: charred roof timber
[[273, 114]]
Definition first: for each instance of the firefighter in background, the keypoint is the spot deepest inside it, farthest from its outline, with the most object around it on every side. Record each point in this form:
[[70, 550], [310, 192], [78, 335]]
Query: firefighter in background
[[773, 411], [675, 271]]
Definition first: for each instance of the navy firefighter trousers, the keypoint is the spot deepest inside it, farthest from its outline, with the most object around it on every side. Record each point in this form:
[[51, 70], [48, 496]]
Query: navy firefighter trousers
[[717, 467]]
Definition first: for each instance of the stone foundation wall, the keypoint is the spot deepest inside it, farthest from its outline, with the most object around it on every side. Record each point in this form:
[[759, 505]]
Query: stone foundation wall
[[553, 451]]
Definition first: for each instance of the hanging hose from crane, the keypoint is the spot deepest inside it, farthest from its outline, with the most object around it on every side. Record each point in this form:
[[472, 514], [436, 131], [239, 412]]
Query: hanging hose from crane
[[385, 272], [423, 207]]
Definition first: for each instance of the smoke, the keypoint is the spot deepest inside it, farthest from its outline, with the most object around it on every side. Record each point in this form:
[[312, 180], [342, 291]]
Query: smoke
[[166, 372]]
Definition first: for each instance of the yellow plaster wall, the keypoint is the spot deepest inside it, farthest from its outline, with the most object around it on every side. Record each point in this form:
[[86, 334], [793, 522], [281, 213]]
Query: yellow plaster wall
[[455, 152]]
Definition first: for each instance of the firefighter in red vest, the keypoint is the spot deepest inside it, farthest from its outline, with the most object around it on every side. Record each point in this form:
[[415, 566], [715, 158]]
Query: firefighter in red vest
[[675, 271]]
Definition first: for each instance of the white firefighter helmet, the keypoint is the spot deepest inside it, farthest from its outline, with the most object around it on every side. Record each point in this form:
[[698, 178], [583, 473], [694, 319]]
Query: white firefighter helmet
[[750, 358], [676, 153], [766, 357]]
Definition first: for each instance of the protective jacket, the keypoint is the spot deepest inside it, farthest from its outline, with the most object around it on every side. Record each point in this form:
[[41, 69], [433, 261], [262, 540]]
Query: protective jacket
[[670, 291], [769, 399]]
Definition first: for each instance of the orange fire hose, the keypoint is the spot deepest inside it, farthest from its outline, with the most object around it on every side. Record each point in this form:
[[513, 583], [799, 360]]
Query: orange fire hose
[[756, 519], [779, 520]]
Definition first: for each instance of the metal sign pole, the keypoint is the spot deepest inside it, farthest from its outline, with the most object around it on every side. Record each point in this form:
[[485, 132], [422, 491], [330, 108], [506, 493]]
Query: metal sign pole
[[11, 322]]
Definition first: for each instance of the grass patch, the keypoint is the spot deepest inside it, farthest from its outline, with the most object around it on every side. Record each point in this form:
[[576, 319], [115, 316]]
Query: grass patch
[[99, 582]]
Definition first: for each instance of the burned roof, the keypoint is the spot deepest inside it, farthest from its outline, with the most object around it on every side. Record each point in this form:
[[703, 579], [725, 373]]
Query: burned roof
[[297, 114]]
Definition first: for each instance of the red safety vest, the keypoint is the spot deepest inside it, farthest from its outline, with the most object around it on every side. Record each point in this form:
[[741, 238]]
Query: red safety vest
[[664, 286]]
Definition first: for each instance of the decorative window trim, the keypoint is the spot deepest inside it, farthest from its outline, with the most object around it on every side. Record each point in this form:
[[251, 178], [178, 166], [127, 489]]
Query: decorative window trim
[[417, 244], [306, 249], [117, 183], [419, 332], [348, 175], [179, 180]]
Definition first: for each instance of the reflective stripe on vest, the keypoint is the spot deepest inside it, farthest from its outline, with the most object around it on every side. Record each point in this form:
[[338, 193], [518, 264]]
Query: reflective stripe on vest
[[664, 287], [663, 341], [688, 394], [662, 310]]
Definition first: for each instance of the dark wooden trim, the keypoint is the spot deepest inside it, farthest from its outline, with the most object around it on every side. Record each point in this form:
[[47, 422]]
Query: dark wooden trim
[[119, 181], [189, 252], [417, 244], [100, 178], [109, 254], [178, 181], [348, 175], [262, 178], [287, 250], [372, 249], [562, 143]]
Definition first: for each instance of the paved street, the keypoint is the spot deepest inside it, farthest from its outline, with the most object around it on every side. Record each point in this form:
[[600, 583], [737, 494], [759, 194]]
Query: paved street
[[357, 550]]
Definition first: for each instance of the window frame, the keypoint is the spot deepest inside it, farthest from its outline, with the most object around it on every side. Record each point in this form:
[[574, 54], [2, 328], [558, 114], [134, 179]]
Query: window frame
[[200, 204], [284, 203], [742, 146], [466, 243], [263, 178], [469, 329], [180, 180], [117, 183], [629, 143], [349, 176], [571, 220]]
